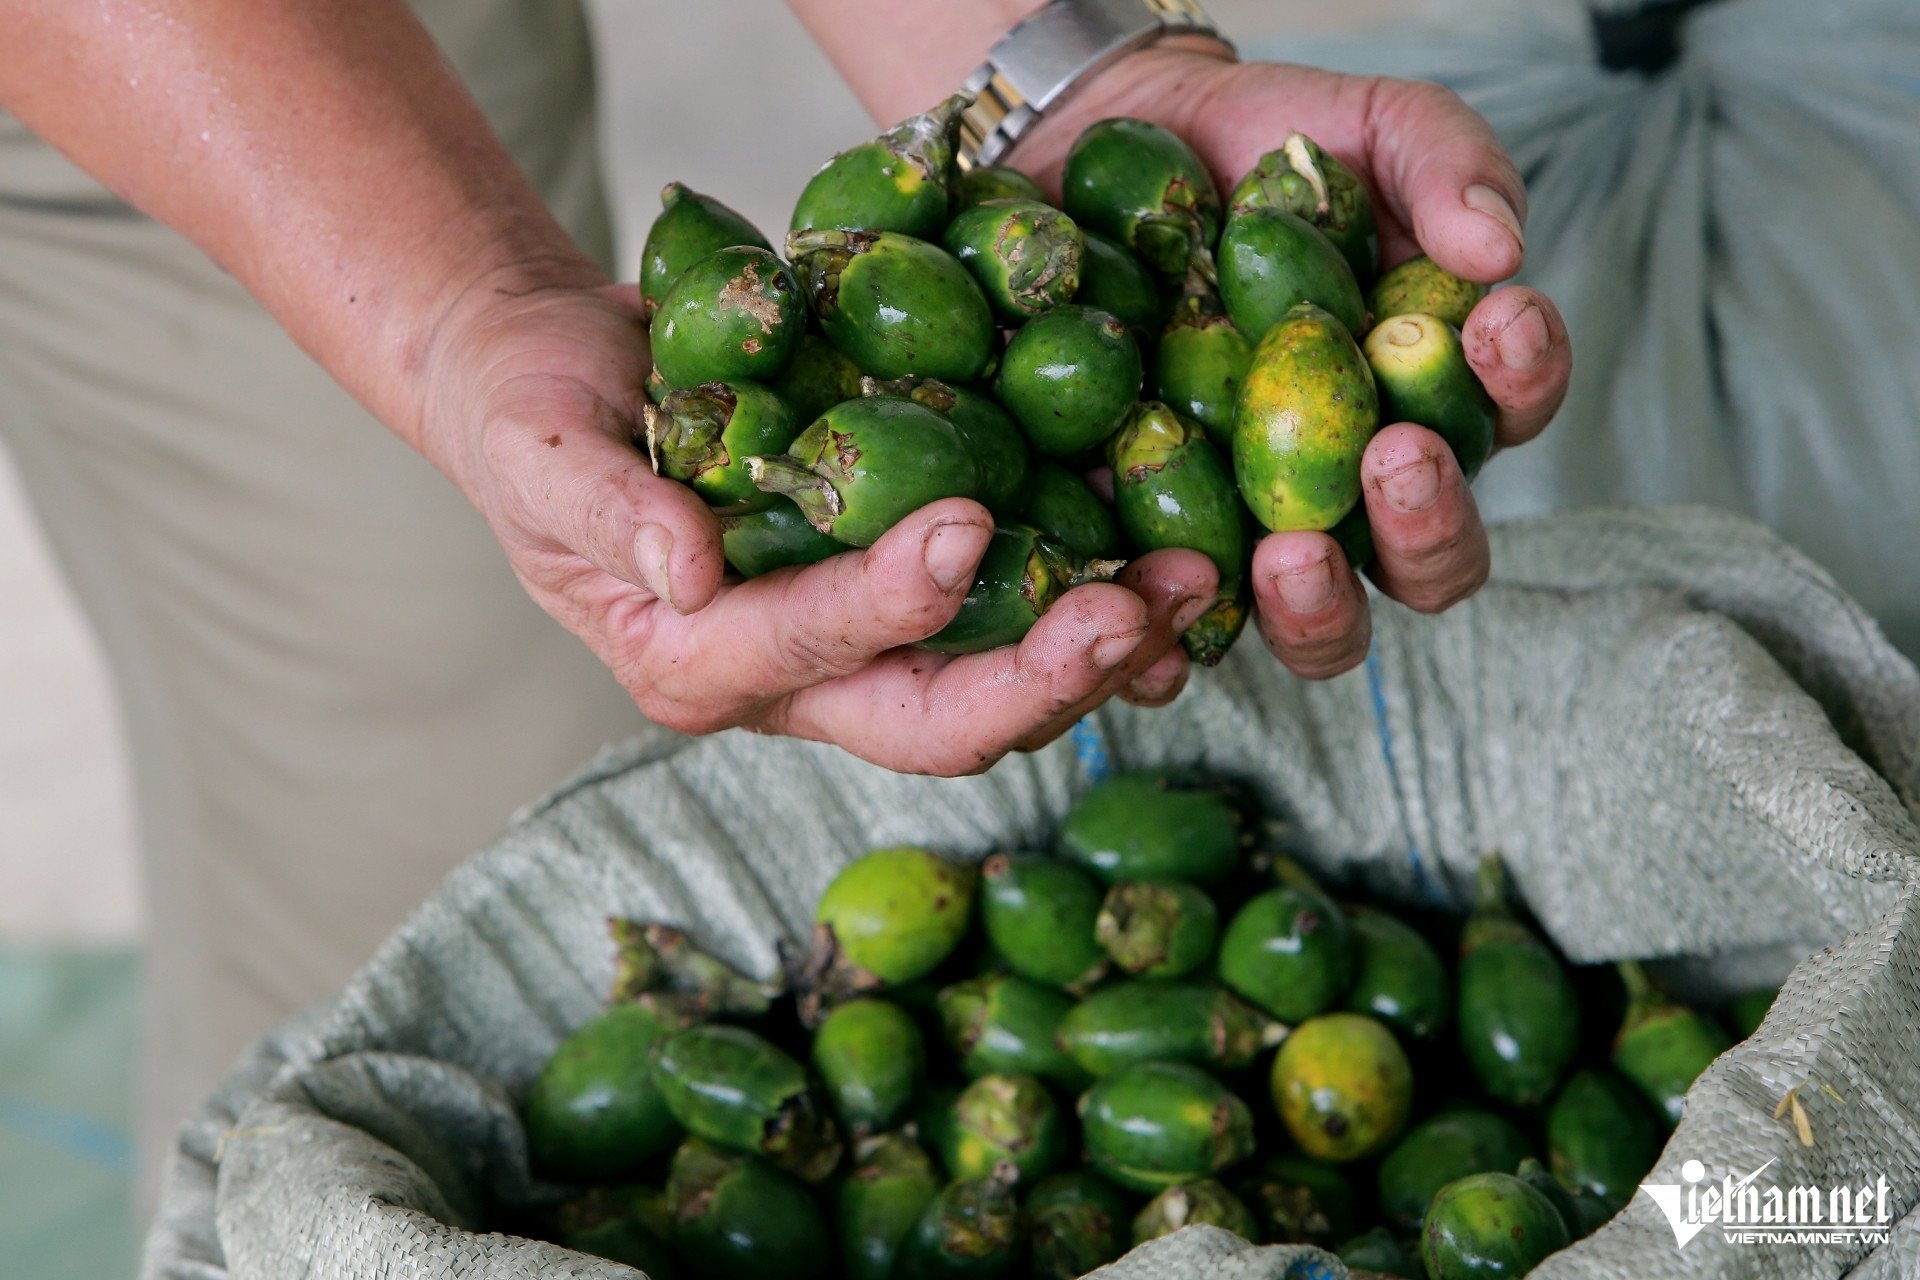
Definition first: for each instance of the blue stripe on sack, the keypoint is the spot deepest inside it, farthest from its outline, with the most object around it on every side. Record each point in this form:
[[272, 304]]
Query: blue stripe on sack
[[69, 1132], [1312, 1268], [1091, 749], [1376, 687]]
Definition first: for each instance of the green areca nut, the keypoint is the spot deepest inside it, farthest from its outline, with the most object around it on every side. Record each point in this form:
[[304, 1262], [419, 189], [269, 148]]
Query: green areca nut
[[1158, 928], [1021, 575], [891, 1184], [998, 446], [1040, 913], [1065, 508], [1202, 1202], [1195, 1022], [595, 1112], [895, 305], [1024, 255], [872, 1060], [1310, 184], [1516, 1011], [1114, 281], [986, 182], [865, 465], [1306, 413], [1173, 488], [1068, 377], [737, 313], [1422, 374], [690, 227], [999, 1022], [1076, 1221], [780, 537], [1271, 262], [971, 1231], [900, 181], [734, 1217], [1424, 287], [1141, 185], [1154, 1124], [702, 437], [733, 1087], [818, 378]]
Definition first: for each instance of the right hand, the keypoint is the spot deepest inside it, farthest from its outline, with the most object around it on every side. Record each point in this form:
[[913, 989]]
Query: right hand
[[530, 404]]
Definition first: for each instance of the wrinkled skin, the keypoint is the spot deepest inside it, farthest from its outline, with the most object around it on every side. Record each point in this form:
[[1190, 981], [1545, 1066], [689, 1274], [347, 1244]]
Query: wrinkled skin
[[534, 377], [1440, 185]]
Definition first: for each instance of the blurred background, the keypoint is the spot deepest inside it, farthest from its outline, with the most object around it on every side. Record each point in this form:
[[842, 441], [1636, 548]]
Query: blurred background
[[675, 106]]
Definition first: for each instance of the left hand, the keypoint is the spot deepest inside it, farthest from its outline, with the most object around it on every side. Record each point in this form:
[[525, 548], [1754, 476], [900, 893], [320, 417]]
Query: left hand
[[1441, 185]]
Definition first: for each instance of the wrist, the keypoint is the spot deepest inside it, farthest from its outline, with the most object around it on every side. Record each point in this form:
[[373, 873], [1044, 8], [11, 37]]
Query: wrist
[[499, 274], [1168, 83]]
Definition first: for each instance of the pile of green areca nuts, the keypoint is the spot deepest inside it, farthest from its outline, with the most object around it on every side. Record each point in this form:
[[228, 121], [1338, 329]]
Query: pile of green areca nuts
[[936, 334], [1025, 1067]]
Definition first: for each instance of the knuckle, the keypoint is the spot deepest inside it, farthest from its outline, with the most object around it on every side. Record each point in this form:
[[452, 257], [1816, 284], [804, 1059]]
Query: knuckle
[[1437, 97], [808, 656], [1320, 651], [694, 721]]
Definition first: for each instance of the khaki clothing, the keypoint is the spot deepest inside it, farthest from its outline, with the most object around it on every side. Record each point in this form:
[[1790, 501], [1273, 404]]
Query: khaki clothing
[[333, 686]]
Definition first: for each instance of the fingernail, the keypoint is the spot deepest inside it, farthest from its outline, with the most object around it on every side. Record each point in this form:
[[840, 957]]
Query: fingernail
[[951, 551], [653, 554], [1524, 342], [1484, 199], [1158, 691], [1413, 487], [1112, 651], [1307, 589], [1191, 612]]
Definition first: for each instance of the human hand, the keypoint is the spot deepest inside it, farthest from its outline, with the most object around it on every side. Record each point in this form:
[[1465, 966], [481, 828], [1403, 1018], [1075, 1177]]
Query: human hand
[[1442, 185], [531, 400]]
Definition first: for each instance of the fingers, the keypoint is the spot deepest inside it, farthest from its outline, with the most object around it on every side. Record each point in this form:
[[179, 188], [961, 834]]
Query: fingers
[[576, 480], [1310, 608], [1177, 586], [1445, 176], [1517, 343], [1160, 683], [768, 638], [1430, 550], [919, 712]]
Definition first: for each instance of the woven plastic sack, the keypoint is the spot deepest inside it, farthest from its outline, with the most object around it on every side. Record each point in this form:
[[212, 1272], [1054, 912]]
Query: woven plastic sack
[[1683, 739], [1734, 239]]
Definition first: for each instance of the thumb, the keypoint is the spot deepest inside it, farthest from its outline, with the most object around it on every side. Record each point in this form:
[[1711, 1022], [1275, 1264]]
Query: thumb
[[596, 496], [1447, 177]]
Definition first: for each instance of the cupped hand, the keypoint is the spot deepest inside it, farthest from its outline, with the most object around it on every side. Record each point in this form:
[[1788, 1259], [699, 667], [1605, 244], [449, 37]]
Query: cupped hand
[[530, 410], [1442, 185]]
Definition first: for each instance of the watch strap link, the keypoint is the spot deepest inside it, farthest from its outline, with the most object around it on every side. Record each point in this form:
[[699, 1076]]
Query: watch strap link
[[1060, 44]]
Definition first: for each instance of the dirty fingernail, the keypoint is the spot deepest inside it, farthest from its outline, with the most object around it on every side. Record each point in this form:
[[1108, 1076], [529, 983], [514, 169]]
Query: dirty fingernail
[[1524, 342], [1413, 487], [653, 555], [1484, 199], [1112, 651], [1158, 690], [951, 551], [1307, 589]]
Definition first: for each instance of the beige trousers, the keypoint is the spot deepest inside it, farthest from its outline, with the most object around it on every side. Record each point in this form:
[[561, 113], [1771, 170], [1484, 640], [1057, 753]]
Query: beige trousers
[[333, 686]]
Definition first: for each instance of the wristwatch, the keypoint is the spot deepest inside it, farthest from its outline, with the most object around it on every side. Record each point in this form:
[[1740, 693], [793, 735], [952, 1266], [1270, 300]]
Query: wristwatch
[[1062, 43]]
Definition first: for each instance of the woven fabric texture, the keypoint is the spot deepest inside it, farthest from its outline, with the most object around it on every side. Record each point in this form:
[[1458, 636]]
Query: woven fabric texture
[[1732, 240], [1684, 740]]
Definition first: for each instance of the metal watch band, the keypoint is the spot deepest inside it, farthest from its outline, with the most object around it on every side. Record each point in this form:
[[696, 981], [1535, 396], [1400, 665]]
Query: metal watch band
[[1059, 45]]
